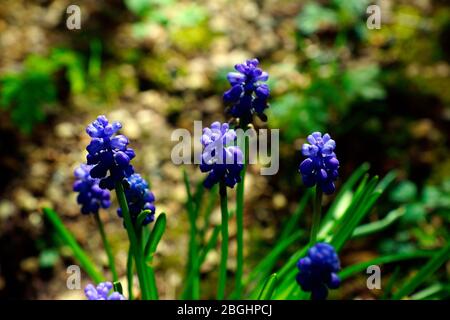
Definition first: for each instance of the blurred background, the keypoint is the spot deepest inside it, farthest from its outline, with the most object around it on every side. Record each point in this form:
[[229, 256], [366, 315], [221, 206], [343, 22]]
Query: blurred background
[[157, 65]]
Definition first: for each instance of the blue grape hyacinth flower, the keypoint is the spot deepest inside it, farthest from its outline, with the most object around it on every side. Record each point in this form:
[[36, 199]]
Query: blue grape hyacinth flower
[[139, 198], [108, 152], [90, 196], [248, 94], [224, 162], [102, 292], [318, 271], [321, 165]]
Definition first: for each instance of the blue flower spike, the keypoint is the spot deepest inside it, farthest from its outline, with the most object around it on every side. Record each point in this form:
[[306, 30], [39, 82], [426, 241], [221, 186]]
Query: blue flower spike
[[139, 198], [248, 93], [321, 165], [108, 153], [90, 196], [318, 271], [102, 292], [224, 162]]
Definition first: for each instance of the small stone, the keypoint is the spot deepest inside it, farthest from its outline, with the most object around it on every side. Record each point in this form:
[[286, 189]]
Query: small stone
[[39, 169], [279, 201], [35, 219], [7, 209], [26, 200], [65, 130], [30, 264]]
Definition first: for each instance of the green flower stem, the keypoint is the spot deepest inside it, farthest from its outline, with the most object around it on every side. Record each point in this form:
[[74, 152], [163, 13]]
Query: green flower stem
[[316, 215], [107, 246], [134, 243], [130, 273], [240, 234], [224, 250], [148, 269], [192, 287], [240, 221]]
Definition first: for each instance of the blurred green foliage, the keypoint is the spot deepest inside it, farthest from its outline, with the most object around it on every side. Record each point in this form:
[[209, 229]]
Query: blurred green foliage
[[25, 95], [432, 199], [310, 109], [153, 13], [28, 93], [340, 14], [333, 85]]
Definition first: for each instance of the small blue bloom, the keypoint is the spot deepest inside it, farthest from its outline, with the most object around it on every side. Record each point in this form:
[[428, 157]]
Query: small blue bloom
[[108, 152], [321, 165], [248, 93], [101, 292], [139, 198], [91, 197], [223, 162], [318, 271]]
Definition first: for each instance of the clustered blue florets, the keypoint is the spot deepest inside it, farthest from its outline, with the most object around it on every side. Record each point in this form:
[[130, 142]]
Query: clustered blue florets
[[108, 152], [139, 197], [321, 165], [101, 292], [318, 271], [224, 163], [91, 197], [248, 95]]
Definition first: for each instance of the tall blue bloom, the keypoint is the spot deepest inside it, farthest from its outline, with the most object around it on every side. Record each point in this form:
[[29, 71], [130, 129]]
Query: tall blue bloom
[[91, 197], [248, 93], [139, 198], [223, 162], [101, 292], [318, 271], [321, 165], [108, 152]]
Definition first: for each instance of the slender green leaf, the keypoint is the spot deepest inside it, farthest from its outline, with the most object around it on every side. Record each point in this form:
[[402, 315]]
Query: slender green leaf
[[354, 214], [212, 199], [269, 288], [426, 271], [432, 291], [293, 222], [377, 226], [212, 242], [118, 287], [288, 271], [141, 217], [386, 181], [69, 240], [344, 205], [155, 237], [267, 263], [387, 291], [362, 266], [346, 187]]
